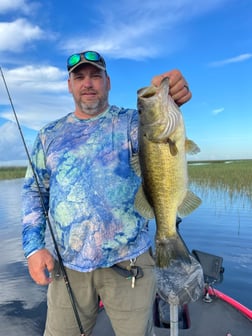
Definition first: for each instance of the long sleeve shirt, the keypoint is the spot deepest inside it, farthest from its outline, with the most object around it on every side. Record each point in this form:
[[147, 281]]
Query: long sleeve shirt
[[88, 186]]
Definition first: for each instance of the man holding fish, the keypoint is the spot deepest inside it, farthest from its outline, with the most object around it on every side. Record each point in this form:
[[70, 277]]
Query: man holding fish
[[90, 176]]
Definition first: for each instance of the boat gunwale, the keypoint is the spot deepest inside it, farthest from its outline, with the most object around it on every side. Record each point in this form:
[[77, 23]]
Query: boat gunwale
[[240, 307]]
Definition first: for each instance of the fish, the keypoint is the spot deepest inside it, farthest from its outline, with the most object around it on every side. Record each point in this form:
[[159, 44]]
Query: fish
[[162, 164]]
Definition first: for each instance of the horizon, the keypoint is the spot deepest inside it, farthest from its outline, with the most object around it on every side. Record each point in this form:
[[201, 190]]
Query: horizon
[[23, 165]]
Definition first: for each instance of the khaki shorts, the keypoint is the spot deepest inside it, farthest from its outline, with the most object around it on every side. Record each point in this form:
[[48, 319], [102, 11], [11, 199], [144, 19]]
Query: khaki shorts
[[129, 309]]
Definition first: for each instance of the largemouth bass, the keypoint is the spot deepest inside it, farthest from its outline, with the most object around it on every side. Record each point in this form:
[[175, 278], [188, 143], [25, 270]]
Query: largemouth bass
[[162, 158]]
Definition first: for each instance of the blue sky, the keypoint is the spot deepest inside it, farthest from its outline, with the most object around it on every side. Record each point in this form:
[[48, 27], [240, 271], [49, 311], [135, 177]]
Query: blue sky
[[210, 41]]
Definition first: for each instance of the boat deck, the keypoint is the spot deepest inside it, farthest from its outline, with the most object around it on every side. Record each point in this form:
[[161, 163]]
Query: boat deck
[[217, 318]]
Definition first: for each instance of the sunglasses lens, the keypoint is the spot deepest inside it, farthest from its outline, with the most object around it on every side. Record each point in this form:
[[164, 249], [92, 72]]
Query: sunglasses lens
[[89, 56], [92, 56], [74, 59]]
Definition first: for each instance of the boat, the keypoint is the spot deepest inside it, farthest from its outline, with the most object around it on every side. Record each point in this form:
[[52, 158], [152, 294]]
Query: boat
[[214, 314]]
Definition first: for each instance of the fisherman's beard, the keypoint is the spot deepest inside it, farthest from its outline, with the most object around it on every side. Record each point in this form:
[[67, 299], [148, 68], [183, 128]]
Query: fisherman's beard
[[94, 108]]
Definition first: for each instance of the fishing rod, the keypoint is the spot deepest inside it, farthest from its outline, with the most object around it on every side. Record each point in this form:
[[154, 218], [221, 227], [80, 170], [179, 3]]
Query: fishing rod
[[62, 267]]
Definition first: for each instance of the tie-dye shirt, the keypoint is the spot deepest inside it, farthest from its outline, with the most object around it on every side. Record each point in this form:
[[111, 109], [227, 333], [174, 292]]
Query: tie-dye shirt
[[88, 186]]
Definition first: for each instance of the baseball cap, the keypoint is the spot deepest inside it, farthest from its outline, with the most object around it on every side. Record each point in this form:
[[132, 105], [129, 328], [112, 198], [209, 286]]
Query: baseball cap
[[85, 57]]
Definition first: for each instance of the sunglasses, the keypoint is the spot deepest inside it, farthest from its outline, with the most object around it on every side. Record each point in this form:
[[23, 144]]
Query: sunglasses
[[89, 56]]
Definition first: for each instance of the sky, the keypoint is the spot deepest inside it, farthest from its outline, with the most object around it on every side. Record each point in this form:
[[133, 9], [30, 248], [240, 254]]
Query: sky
[[209, 41]]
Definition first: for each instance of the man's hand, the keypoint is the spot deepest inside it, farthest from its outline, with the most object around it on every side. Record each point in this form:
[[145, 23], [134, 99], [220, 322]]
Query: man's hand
[[38, 263], [179, 89]]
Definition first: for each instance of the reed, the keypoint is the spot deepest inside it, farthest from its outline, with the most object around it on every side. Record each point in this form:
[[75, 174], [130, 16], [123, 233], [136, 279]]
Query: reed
[[8, 173], [234, 177]]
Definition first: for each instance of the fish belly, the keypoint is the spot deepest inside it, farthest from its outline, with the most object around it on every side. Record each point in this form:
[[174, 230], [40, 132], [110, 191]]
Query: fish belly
[[165, 186]]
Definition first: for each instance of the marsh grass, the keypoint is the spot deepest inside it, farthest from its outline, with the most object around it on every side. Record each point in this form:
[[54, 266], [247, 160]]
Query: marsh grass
[[8, 173], [234, 178]]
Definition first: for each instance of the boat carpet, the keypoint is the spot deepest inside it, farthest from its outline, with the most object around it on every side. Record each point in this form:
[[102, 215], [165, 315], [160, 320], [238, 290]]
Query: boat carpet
[[217, 318]]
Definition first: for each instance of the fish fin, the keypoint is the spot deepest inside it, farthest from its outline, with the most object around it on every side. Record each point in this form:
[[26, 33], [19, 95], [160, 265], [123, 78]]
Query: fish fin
[[191, 147], [173, 147], [142, 205], [172, 248], [135, 164], [189, 204]]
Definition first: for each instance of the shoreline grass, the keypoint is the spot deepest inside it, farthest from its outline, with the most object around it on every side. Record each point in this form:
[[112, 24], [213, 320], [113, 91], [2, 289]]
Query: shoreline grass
[[9, 173], [234, 176]]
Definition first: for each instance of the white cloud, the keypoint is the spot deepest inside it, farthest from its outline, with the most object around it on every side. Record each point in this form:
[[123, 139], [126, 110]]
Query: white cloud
[[39, 95], [37, 78], [15, 35], [236, 59], [129, 35], [9, 6], [10, 143], [218, 110]]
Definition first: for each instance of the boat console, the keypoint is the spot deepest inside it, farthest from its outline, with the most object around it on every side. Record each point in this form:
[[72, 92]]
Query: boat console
[[212, 270]]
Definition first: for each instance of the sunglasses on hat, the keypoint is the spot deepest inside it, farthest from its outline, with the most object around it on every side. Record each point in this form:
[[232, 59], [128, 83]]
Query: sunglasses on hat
[[91, 57]]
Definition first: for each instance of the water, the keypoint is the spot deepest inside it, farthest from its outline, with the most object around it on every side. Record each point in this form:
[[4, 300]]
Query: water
[[220, 226], [223, 226], [22, 302]]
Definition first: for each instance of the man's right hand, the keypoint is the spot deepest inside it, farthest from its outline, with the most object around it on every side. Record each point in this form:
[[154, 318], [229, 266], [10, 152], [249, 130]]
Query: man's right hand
[[38, 263]]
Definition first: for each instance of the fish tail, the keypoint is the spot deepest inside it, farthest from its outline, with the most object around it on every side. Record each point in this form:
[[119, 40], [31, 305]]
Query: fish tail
[[170, 249]]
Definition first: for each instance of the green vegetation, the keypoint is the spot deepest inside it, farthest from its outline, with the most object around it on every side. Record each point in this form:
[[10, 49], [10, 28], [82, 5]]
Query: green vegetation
[[8, 173], [235, 177]]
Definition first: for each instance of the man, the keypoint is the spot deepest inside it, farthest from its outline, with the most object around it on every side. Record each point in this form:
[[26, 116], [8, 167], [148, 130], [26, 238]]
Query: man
[[82, 163]]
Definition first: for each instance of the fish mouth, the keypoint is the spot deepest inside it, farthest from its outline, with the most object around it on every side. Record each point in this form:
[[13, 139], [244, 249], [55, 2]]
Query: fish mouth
[[150, 91], [147, 92]]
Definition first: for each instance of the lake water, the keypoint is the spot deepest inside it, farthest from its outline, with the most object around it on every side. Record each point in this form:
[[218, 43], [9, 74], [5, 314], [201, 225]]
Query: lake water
[[220, 226]]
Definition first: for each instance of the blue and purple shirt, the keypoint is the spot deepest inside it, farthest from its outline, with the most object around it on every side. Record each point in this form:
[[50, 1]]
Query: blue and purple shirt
[[89, 187]]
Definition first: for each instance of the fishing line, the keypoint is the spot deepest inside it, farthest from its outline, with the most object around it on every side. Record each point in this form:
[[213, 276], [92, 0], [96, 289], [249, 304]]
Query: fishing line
[[62, 268]]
